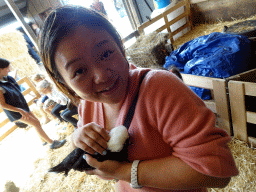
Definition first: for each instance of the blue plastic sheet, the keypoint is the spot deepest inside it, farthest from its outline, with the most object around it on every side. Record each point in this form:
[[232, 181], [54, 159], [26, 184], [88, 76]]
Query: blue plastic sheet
[[217, 55]]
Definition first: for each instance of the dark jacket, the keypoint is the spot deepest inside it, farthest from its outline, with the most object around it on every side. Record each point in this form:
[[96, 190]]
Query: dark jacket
[[14, 97]]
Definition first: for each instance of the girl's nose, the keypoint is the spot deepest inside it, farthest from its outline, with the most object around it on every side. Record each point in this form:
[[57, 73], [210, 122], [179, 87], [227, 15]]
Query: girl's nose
[[101, 75]]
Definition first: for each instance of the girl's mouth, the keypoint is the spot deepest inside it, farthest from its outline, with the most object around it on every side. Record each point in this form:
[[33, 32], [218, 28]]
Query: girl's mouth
[[111, 88]]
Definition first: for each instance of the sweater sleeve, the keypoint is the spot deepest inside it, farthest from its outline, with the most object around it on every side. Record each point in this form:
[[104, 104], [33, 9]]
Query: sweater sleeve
[[188, 126]]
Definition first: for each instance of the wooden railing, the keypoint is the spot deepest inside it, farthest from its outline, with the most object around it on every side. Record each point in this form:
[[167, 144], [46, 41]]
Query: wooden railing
[[36, 95], [167, 24]]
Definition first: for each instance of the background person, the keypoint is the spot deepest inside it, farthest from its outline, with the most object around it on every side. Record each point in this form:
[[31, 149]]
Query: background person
[[15, 106], [60, 110]]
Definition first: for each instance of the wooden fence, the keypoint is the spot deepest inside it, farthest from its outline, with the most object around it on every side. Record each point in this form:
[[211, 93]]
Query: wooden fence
[[167, 24]]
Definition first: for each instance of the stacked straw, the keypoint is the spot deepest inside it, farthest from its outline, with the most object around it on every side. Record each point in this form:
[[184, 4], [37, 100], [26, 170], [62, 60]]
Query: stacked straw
[[13, 47], [149, 50]]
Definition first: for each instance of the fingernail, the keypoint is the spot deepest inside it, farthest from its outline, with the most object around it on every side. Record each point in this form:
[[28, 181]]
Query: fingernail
[[84, 156], [104, 152]]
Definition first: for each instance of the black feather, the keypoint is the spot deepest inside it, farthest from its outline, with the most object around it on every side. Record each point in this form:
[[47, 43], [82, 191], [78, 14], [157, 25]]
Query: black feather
[[76, 161]]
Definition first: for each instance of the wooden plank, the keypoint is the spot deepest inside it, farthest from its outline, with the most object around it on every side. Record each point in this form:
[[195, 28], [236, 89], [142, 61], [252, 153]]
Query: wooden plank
[[189, 17], [27, 91], [30, 84], [211, 105], [249, 76], [251, 117], [238, 111], [198, 81], [222, 104], [250, 89], [180, 29], [166, 23], [174, 8], [197, 1], [160, 16], [21, 81], [181, 16], [8, 132], [168, 29], [3, 123], [146, 24]]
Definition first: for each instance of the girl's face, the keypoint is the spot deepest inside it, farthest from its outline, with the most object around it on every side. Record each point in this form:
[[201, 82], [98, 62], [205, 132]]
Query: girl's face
[[46, 91], [92, 64], [4, 71]]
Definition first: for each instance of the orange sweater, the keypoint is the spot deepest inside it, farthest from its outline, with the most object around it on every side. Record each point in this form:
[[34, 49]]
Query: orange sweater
[[169, 120]]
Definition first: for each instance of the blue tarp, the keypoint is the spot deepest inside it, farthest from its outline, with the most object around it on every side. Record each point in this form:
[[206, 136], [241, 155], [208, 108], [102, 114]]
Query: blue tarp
[[218, 55]]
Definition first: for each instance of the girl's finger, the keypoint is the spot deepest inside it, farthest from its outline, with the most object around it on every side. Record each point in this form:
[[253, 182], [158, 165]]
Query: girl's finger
[[90, 161], [102, 132], [96, 137], [99, 130], [93, 146]]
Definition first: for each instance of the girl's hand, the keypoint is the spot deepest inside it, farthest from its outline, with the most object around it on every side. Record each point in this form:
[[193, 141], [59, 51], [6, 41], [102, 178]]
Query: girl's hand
[[91, 138], [109, 169]]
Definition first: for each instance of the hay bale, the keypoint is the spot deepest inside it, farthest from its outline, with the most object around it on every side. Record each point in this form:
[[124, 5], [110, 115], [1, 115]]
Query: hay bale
[[206, 29], [245, 158], [14, 48], [149, 50]]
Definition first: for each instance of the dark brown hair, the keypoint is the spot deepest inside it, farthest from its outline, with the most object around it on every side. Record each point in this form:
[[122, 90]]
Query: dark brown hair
[[59, 24], [4, 63]]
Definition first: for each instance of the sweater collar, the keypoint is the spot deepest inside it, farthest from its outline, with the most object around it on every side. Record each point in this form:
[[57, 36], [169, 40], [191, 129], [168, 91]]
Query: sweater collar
[[4, 80]]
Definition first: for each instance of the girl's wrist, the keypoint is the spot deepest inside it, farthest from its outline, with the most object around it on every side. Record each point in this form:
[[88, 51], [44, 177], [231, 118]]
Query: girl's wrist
[[124, 172]]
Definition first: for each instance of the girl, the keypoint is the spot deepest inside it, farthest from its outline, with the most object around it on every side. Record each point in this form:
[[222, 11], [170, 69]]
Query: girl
[[15, 106], [62, 101], [40, 102], [174, 144]]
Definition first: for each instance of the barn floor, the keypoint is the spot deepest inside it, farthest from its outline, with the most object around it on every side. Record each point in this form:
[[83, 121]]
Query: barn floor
[[19, 151]]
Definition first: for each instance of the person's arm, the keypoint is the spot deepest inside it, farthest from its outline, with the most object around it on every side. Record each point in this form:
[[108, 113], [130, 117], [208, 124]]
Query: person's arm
[[4, 105], [165, 173]]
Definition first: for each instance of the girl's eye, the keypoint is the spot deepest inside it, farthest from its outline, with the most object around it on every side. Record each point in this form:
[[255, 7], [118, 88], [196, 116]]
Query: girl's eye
[[106, 54], [79, 71]]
